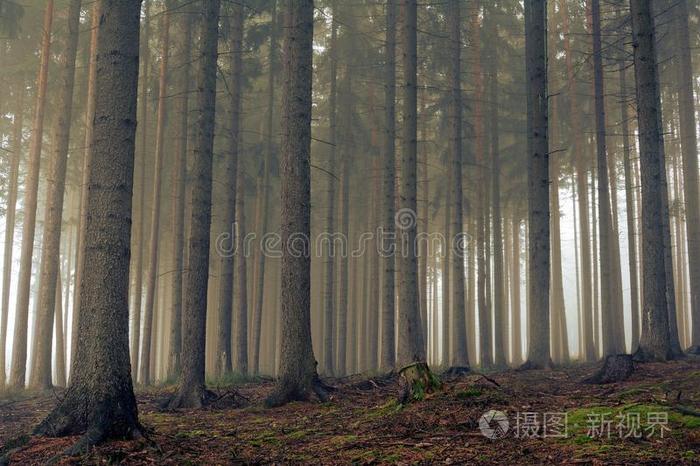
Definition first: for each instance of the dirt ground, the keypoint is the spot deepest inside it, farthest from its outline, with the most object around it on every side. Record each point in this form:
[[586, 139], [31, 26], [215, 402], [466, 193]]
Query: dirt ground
[[553, 418]]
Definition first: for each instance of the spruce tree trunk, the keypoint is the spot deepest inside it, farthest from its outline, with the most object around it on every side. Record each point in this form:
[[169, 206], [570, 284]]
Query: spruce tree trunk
[[140, 230], [654, 341], [446, 272], [10, 228], [538, 184], [152, 278], [241, 321], [101, 403], [223, 362], [58, 325], [516, 308], [191, 391], [388, 338], [411, 346], [56, 182], [458, 244], [31, 188], [691, 185], [582, 194], [183, 49], [610, 344], [297, 374], [264, 193], [499, 307], [372, 326]]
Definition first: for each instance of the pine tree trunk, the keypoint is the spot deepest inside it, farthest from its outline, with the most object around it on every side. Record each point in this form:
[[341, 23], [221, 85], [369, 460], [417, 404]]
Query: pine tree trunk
[[388, 339], [183, 49], [411, 346], [264, 193], [458, 242], [31, 191], [654, 341], [191, 391], [538, 184], [56, 181], [297, 374], [691, 185], [10, 228], [152, 278], [101, 403], [140, 230]]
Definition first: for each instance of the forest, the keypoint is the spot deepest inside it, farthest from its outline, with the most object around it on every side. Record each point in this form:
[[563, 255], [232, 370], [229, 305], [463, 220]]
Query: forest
[[349, 232]]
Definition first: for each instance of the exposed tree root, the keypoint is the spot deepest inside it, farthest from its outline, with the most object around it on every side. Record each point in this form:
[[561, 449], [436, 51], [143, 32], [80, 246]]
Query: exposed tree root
[[694, 350], [191, 398], [617, 368], [416, 380], [286, 392], [532, 366]]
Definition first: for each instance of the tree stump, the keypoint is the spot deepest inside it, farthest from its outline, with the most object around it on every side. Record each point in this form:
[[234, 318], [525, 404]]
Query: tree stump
[[415, 381], [617, 367]]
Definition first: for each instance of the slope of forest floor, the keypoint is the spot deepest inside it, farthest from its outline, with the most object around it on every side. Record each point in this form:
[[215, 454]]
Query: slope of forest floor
[[364, 425]]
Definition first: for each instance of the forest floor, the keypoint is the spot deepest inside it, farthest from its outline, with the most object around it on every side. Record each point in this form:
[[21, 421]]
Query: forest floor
[[652, 418]]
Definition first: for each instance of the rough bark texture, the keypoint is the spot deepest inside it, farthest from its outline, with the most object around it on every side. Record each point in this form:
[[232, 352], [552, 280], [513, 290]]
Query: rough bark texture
[[56, 182], [654, 342], [388, 354], [410, 343], [10, 229], [538, 184], [691, 185], [31, 188], [100, 401], [191, 391], [183, 50], [297, 372], [458, 243], [152, 278]]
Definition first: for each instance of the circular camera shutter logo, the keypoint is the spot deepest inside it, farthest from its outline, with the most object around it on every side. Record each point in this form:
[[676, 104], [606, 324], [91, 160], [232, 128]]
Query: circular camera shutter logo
[[494, 424]]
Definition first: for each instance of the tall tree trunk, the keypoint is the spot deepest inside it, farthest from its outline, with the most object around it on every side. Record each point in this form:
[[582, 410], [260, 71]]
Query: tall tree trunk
[[458, 241], [264, 191], [388, 354], [10, 228], [31, 188], [582, 194], [140, 231], [101, 403], [691, 185], [191, 391], [538, 183], [411, 347], [447, 327], [183, 49], [517, 345], [58, 325], [499, 306], [630, 206], [609, 310], [53, 214], [372, 327], [654, 341], [152, 278], [297, 375]]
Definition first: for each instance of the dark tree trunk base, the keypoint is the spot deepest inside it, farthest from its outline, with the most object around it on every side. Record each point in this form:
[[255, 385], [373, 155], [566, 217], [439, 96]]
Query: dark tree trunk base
[[532, 366], [415, 381], [694, 350], [457, 371], [286, 392], [617, 368], [192, 398]]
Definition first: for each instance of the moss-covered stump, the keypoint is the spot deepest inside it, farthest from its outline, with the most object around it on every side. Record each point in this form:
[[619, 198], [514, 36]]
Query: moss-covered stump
[[617, 368], [415, 381]]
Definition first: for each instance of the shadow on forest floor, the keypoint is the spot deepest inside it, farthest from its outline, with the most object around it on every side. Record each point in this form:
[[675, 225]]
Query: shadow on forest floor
[[363, 424]]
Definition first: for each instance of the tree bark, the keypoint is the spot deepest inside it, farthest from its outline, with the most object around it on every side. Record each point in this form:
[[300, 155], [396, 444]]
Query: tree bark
[[100, 401], [31, 188], [654, 341], [191, 391], [538, 184], [10, 227], [183, 49], [56, 181], [297, 375], [152, 278]]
